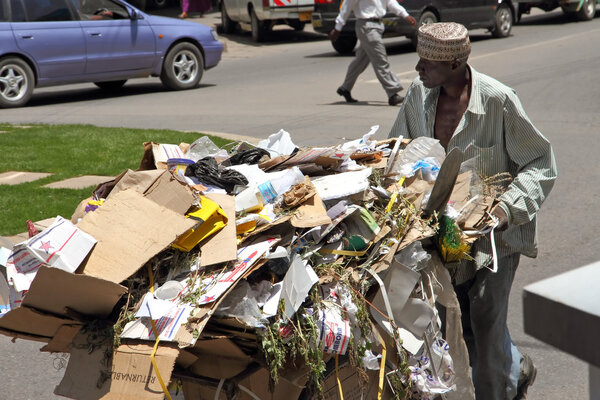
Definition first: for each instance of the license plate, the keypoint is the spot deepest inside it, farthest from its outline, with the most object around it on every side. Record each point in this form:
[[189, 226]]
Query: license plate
[[317, 23], [305, 16]]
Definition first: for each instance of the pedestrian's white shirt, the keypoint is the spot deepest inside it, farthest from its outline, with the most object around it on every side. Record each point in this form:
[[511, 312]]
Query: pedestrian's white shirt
[[367, 9]]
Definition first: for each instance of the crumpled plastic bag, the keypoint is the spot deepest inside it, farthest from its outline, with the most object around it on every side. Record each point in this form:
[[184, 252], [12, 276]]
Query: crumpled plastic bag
[[208, 171]]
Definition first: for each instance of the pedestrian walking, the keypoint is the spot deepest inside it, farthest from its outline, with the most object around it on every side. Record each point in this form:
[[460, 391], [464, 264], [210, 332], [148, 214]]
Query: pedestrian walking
[[199, 6], [464, 108], [369, 31]]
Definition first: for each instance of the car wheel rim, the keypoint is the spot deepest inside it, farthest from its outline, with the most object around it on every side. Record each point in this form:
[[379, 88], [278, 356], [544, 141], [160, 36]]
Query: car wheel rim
[[185, 67], [13, 82], [591, 7], [428, 21], [505, 20]]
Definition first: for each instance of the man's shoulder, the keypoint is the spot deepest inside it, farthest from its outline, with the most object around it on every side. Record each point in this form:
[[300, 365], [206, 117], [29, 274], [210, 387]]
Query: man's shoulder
[[491, 86]]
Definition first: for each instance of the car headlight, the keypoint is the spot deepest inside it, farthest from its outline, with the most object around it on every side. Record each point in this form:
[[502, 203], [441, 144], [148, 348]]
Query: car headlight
[[214, 34]]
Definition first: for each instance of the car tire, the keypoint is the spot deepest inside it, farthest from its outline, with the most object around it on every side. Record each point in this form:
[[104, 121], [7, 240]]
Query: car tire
[[587, 11], [428, 17], [16, 82], [110, 85], [344, 45], [259, 31], [183, 67], [297, 24], [227, 24], [157, 4], [503, 21]]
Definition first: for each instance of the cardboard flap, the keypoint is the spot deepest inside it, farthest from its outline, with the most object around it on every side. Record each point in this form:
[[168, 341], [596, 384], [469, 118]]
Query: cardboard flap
[[139, 181], [222, 246], [27, 321], [128, 375], [61, 342], [130, 230], [219, 358], [170, 193], [55, 291]]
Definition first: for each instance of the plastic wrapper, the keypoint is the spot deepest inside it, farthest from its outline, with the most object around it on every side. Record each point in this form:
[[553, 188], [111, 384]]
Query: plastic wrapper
[[422, 148]]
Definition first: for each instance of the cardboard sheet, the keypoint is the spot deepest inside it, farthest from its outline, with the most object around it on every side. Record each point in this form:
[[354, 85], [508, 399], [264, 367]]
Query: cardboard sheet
[[310, 214], [30, 322], [218, 358], [55, 291], [222, 246], [130, 230], [128, 376], [170, 193]]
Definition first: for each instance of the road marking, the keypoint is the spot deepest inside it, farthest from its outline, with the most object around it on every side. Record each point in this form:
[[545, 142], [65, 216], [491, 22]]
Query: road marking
[[528, 46]]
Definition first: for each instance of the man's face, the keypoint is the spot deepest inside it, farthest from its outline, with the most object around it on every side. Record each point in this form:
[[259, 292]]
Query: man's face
[[434, 73]]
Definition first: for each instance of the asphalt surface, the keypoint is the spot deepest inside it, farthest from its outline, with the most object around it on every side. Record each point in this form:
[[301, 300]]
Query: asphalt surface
[[289, 83]]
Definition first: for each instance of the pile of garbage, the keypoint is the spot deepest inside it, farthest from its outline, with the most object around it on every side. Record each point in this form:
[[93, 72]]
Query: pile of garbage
[[262, 271]]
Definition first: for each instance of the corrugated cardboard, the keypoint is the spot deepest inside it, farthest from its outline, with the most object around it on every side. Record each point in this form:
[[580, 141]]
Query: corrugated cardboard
[[128, 376], [56, 291], [32, 324], [257, 383], [61, 342], [351, 385], [130, 230], [218, 358], [170, 193]]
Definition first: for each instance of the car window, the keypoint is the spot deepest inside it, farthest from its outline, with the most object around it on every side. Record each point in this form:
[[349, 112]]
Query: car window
[[49, 10], [100, 9], [17, 11]]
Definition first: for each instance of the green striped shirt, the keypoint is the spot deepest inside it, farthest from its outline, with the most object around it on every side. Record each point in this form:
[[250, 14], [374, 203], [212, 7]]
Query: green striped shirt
[[496, 128]]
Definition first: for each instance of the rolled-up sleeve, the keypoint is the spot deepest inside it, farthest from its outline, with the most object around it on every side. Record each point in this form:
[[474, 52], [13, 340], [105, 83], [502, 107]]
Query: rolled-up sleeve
[[396, 8], [342, 17], [535, 164]]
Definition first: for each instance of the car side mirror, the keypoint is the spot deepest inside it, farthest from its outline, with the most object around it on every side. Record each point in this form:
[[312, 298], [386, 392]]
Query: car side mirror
[[134, 14]]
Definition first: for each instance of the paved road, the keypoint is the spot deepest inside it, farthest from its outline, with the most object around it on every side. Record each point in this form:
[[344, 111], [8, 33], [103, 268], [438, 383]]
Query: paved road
[[552, 62]]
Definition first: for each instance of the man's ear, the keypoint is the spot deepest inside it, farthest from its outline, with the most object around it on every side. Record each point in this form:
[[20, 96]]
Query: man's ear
[[455, 64]]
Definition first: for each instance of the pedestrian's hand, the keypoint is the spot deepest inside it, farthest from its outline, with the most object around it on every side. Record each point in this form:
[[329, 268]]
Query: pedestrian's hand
[[334, 35], [500, 214], [411, 20]]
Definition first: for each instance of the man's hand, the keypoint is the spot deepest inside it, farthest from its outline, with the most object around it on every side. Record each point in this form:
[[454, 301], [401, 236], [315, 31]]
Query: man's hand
[[500, 214], [411, 20], [334, 35]]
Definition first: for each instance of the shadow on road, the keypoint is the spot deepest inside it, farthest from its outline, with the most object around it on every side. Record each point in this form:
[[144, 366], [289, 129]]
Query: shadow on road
[[92, 93], [551, 18]]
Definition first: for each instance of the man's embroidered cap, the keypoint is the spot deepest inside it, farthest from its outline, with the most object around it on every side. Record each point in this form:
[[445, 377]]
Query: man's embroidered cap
[[443, 41]]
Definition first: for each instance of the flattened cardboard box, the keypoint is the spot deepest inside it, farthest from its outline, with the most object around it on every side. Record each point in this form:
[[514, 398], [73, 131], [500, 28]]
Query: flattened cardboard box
[[54, 299], [129, 375], [130, 230], [59, 292]]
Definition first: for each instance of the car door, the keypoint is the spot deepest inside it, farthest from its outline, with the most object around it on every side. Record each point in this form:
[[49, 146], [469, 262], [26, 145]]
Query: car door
[[114, 42], [48, 32], [467, 12]]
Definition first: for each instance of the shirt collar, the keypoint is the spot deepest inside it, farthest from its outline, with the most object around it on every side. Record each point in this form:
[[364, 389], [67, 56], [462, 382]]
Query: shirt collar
[[475, 103]]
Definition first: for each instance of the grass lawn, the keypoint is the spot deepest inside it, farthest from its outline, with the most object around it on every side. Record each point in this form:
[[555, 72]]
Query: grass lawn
[[67, 151]]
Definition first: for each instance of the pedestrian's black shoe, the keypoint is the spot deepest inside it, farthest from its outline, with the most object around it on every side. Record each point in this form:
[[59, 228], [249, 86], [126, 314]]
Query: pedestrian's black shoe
[[395, 99], [346, 93], [526, 377]]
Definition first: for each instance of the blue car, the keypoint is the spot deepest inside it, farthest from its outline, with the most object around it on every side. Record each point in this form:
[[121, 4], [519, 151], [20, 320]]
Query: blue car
[[56, 42]]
